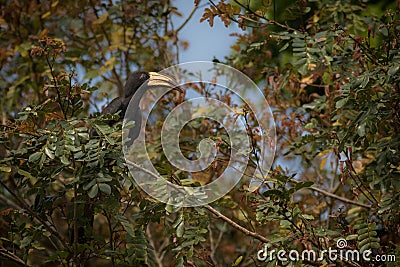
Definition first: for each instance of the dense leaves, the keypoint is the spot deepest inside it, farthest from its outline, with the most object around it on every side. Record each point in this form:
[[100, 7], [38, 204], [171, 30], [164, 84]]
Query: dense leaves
[[329, 69], [331, 73]]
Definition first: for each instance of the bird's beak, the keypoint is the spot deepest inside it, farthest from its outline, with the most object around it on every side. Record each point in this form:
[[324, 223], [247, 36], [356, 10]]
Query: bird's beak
[[162, 80]]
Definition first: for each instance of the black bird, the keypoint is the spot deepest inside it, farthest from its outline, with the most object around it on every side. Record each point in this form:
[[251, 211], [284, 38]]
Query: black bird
[[135, 80], [120, 104]]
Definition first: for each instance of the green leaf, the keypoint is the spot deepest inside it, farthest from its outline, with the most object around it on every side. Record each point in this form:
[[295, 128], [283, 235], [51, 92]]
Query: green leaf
[[360, 226], [179, 261], [237, 261], [341, 103], [394, 69], [271, 192], [298, 43], [308, 217], [105, 188], [283, 48], [105, 130], [187, 243], [5, 168], [26, 174], [364, 81], [101, 19], [365, 247], [190, 252], [301, 185], [180, 229], [178, 220], [312, 124], [352, 237], [127, 225], [35, 156], [89, 185], [93, 191], [361, 130], [299, 49], [64, 160], [49, 153]]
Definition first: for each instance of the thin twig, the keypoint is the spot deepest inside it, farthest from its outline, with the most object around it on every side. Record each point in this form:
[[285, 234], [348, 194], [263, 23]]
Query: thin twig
[[32, 213], [188, 18], [59, 100], [212, 245], [157, 256], [11, 256], [237, 226], [343, 199], [75, 218], [9, 202]]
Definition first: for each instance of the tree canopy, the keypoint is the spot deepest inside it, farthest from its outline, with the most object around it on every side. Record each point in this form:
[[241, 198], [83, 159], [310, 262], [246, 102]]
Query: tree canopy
[[330, 71]]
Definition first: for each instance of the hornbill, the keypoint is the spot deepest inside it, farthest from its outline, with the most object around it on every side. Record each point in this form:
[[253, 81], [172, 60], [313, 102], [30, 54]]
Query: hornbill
[[120, 104], [135, 80]]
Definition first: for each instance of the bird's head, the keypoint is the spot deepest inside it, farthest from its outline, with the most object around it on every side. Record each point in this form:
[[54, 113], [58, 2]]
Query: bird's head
[[137, 78], [134, 94]]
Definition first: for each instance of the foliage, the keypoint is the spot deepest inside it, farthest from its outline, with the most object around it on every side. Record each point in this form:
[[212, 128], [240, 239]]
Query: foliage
[[67, 198], [329, 69], [331, 74]]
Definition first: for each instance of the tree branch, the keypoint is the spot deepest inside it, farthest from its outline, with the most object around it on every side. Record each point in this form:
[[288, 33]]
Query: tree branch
[[34, 215], [343, 199], [211, 209], [237, 226], [188, 18], [12, 257]]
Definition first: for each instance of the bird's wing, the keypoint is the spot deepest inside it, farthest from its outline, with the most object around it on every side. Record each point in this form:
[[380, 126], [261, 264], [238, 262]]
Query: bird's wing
[[136, 116], [134, 132], [113, 107]]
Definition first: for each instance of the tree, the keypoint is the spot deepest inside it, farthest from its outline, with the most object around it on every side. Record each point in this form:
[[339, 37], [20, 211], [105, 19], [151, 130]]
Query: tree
[[329, 69], [60, 163]]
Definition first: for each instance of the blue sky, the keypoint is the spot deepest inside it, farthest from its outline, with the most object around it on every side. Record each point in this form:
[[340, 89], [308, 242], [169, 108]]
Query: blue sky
[[204, 42]]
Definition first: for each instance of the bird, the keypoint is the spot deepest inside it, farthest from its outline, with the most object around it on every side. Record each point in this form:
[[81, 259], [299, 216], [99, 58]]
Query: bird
[[135, 80], [132, 93]]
